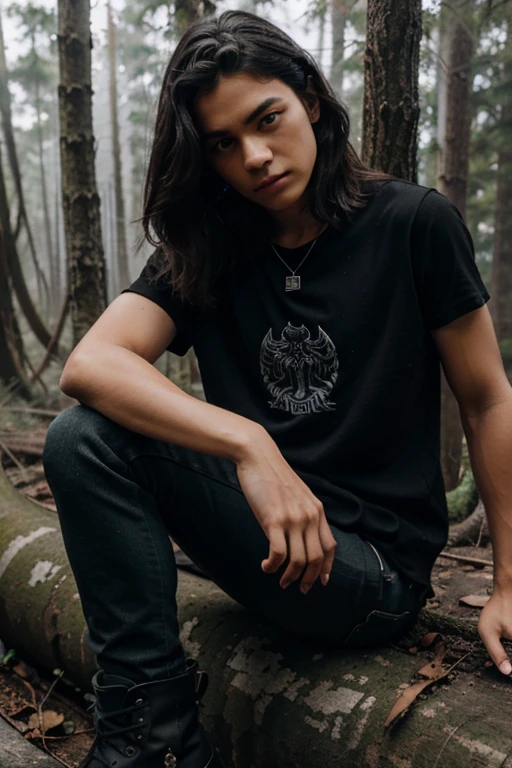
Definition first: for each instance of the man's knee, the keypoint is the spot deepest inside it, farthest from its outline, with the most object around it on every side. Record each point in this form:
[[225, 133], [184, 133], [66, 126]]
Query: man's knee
[[66, 436]]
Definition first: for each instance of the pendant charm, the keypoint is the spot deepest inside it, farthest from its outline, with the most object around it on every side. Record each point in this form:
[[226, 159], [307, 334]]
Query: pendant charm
[[292, 283]]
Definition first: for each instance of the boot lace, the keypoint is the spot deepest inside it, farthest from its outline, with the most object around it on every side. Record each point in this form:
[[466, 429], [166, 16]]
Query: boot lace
[[108, 728]]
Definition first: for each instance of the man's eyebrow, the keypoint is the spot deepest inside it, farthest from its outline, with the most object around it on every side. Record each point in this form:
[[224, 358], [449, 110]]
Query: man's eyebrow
[[254, 114]]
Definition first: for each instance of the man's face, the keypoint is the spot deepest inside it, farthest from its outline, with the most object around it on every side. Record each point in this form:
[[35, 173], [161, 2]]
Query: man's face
[[256, 130]]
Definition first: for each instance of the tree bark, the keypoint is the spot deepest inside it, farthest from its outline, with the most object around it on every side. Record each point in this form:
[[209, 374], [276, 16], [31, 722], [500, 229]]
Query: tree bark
[[453, 168], [44, 200], [501, 305], [123, 276], [188, 11], [339, 15], [81, 203], [12, 356], [391, 96], [15, 270]]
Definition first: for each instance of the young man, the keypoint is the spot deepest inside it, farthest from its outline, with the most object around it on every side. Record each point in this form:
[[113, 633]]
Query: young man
[[319, 297]]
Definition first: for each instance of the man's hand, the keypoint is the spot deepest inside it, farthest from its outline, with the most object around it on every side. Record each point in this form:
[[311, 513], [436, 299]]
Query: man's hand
[[495, 623], [291, 516]]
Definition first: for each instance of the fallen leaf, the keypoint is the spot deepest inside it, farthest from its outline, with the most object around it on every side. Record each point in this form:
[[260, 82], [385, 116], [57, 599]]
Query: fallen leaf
[[428, 639], [433, 670], [405, 700], [35, 734], [50, 719], [22, 670], [474, 601]]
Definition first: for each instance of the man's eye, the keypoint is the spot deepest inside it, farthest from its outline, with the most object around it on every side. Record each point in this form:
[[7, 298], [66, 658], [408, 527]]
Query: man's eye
[[222, 145], [270, 118]]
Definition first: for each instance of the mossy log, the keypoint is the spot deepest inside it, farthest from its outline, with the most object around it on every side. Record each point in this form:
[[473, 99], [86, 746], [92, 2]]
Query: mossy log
[[40, 611], [273, 702], [463, 499]]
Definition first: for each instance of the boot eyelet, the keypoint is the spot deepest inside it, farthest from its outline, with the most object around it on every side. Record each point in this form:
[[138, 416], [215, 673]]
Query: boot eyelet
[[139, 702], [130, 751], [140, 737], [140, 719]]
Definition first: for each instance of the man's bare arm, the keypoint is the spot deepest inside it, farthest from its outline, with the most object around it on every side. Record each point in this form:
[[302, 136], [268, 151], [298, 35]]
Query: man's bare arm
[[472, 363]]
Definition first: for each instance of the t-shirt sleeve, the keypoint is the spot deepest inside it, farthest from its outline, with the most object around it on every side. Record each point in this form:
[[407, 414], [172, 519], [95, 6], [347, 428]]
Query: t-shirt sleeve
[[448, 282], [161, 292]]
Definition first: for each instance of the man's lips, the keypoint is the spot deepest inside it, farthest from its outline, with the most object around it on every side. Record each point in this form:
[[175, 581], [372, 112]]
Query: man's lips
[[270, 180]]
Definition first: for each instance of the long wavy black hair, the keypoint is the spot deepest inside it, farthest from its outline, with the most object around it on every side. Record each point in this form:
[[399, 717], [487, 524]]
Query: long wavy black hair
[[201, 230]]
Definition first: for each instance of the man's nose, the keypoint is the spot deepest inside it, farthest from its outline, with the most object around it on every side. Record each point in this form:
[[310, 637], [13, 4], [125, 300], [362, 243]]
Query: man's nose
[[256, 154]]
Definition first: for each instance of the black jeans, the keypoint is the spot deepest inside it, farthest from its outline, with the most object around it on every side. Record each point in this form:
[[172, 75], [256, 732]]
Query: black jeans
[[119, 496]]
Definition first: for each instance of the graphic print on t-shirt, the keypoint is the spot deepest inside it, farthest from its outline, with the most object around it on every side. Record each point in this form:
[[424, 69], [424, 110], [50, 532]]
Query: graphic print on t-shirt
[[298, 371]]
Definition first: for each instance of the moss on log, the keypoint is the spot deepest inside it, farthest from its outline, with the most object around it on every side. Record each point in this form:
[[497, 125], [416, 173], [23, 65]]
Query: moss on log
[[463, 499], [273, 702], [40, 611]]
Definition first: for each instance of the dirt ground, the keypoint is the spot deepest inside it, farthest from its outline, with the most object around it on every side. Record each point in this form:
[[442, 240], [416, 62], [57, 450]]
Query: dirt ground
[[49, 711]]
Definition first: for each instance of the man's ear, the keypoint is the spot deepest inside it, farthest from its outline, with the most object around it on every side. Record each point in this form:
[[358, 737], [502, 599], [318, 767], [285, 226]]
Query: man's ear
[[312, 101]]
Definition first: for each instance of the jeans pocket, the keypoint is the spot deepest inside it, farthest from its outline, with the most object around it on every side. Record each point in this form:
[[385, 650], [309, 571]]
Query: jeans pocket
[[378, 628]]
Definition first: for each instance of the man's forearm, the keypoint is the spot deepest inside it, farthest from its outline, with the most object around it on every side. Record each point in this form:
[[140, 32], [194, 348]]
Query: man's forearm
[[132, 392], [489, 436]]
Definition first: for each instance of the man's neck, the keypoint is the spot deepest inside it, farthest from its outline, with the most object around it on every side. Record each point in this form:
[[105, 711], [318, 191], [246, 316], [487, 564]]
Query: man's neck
[[294, 228]]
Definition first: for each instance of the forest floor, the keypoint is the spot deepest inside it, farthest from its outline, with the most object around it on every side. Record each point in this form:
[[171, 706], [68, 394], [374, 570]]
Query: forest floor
[[51, 713]]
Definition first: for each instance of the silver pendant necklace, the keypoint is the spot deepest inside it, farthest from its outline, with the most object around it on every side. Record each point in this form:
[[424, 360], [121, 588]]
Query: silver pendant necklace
[[292, 282]]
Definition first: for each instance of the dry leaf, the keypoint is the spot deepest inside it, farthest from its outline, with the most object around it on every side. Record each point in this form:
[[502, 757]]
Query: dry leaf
[[405, 700], [50, 719], [21, 670], [35, 734], [474, 601], [429, 639], [432, 670]]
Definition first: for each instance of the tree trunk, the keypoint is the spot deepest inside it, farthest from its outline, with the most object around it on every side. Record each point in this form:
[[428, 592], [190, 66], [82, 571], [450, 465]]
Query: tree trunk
[[81, 203], [44, 202], [5, 109], [391, 98], [57, 222], [501, 304], [15, 270], [12, 357], [188, 11], [123, 276], [339, 15], [452, 182]]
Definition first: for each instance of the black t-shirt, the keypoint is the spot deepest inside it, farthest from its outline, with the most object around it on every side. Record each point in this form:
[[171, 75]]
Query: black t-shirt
[[343, 373]]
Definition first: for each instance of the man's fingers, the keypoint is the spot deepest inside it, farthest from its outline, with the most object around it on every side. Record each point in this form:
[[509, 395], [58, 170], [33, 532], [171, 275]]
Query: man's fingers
[[297, 555], [329, 547], [496, 651], [277, 551], [315, 558]]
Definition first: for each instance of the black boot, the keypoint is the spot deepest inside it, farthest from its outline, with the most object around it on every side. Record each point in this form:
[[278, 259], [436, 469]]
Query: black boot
[[152, 725]]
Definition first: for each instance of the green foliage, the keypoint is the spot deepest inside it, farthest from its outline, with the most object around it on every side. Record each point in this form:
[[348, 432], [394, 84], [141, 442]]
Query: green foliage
[[463, 499], [506, 351], [9, 656]]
